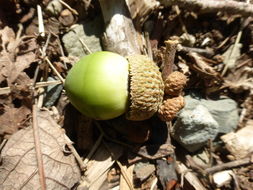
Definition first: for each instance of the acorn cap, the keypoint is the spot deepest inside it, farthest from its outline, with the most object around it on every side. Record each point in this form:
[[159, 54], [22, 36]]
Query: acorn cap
[[146, 88], [175, 83], [170, 107]]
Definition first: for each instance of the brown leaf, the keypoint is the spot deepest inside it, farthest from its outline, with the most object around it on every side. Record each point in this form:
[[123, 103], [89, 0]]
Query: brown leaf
[[22, 62], [7, 38], [19, 164], [16, 55], [201, 66], [12, 119]]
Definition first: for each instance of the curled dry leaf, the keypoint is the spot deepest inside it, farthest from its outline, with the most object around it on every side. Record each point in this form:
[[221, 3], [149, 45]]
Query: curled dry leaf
[[19, 164]]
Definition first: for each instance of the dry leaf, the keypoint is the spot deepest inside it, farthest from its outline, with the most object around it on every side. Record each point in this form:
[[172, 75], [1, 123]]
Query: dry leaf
[[232, 55], [7, 36], [99, 165], [141, 10], [201, 66], [240, 80], [12, 119], [16, 55], [19, 163]]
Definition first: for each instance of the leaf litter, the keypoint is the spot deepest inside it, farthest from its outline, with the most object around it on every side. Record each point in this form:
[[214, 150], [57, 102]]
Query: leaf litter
[[209, 43], [19, 158]]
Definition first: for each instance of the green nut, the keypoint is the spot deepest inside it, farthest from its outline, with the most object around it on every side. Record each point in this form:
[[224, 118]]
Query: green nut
[[97, 85]]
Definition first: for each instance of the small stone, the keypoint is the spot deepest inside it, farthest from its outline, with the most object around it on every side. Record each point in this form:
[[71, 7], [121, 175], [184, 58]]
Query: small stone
[[223, 110], [89, 33], [52, 93], [143, 170], [194, 128], [222, 178], [67, 18], [54, 7]]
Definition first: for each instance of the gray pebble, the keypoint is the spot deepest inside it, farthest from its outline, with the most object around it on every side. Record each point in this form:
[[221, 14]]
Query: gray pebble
[[194, 128], [89, 33]]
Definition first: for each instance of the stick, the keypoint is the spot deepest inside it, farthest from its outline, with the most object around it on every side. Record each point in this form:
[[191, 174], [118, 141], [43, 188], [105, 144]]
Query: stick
[[38, 149], [40, 21], [92, 151], [7, 90], [208, 6], [189, 176], [171, 47], [120, 35], [55, 71], [75, 153], [228, 165]]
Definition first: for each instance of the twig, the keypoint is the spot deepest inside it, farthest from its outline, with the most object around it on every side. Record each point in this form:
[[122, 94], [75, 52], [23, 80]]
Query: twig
[[55, 71], [44, 48], [92, 151], [40, 21], [205, 52], [210, 150], [20, 29], [38, 149], [153, 184], [148, 45], [75, 153], [228, 165], [61, 50], [180, 19], [7, 90], [84, 45], [3, 144], [53, 68], [43, 52], [238, 38], [232, 7], [171, 47], [189, 176], [67, 6]]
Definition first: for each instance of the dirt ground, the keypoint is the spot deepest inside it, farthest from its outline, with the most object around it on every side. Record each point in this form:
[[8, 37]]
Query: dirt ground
[[47, 144]]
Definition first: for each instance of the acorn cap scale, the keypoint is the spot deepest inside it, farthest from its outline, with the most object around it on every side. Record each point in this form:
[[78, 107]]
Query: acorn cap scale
[[146, 88]]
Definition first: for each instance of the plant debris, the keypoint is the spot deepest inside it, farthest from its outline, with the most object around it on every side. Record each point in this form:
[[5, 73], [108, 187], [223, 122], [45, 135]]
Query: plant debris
[[207, 45], [19, 158]]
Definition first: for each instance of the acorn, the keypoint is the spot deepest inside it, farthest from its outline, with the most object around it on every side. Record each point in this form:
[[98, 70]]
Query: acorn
[[104, 85]]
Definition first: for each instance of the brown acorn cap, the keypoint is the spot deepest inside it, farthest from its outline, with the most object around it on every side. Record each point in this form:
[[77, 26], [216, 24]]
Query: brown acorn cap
[[170, 107], [146, 88], [175, 83]]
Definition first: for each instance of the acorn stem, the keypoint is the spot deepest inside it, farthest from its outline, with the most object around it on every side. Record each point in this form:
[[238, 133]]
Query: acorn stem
[[171, 47]]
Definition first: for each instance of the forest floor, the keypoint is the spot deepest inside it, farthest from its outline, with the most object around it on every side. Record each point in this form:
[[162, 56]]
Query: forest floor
[[41, 40]]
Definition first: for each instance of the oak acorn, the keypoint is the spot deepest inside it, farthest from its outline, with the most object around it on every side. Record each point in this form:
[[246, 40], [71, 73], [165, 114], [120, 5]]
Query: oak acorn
[[105, 85]]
